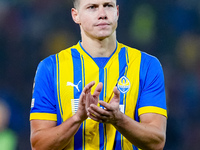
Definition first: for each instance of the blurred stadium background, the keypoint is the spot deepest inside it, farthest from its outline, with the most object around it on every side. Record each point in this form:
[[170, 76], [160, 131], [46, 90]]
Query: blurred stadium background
[[168, 29]]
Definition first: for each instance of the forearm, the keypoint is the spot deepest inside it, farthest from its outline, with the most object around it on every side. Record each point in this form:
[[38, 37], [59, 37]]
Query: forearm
[[55, 137], [142, 135]]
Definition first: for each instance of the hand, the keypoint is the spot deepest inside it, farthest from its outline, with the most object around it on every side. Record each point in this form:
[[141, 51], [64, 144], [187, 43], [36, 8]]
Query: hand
[[92, 99], [86, 99], [81, 113], [110, 113]]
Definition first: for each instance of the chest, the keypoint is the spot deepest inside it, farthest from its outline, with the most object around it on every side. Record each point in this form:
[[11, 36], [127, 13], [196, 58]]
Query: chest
[[73, 73]]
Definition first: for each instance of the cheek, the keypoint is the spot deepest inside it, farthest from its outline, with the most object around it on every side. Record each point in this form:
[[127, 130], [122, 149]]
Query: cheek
[[115, 20], [85, 20], [116, 17]]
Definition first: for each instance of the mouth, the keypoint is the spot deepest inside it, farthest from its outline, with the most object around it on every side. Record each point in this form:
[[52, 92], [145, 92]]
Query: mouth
[[102, 24]]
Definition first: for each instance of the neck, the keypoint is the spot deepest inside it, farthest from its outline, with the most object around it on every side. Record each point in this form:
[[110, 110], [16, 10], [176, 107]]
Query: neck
[[100, 48]]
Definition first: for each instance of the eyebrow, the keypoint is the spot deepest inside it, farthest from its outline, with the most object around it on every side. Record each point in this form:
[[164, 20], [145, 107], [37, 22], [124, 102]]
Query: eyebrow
[[105, 3]]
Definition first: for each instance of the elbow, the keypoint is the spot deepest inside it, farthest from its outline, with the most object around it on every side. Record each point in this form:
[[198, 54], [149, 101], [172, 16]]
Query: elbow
[[156, 144], [33, 143], [159, 144]]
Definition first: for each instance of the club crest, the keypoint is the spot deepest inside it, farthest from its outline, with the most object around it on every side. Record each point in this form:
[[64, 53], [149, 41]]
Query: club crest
[[123, 85]]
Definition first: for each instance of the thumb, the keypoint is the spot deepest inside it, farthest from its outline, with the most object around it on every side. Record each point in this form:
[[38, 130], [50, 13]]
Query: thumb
[[116, 97], [98, 89], [82, 99]]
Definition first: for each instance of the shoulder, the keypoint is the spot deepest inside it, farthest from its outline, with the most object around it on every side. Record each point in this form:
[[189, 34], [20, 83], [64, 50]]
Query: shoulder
[[146, 59], [129, 49], [150, 66], [151, 72], [150, 63], [48, 63], [149, 59]]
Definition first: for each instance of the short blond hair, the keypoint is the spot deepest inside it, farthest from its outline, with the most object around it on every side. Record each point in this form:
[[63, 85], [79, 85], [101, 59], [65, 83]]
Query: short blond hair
[[75, 3]]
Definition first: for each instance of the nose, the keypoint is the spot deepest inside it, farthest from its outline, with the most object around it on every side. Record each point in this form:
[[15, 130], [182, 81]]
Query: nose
[[102, 13]]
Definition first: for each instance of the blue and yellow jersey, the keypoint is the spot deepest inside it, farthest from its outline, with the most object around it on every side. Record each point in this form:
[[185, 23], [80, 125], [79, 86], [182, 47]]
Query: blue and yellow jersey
[[61, 78]]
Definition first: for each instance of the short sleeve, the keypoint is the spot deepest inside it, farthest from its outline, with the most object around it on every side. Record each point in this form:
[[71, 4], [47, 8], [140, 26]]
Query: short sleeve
[[43, 105], [152, 91]]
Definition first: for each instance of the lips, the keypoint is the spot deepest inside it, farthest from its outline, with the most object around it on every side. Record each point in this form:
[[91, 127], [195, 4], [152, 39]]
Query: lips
[[102, 24]]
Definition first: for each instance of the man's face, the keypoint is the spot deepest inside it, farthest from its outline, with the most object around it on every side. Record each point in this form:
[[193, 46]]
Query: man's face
[[97, 18]]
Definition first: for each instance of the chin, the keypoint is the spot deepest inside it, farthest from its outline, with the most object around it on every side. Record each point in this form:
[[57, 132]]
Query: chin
[[103, 36]]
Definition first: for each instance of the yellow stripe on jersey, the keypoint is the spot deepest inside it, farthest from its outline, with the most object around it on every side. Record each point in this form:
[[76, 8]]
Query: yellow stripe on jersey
[[75, 68], [58, 86], [152, 109], [66, 78], [133, 56], [65, 90], [43, 116], [91, 72]]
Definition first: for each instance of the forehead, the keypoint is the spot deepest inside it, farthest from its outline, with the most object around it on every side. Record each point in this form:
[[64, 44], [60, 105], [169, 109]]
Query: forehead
[[85, 2]]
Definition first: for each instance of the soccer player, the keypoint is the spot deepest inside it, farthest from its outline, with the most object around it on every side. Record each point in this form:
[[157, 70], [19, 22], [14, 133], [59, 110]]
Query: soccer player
[[98, 94]]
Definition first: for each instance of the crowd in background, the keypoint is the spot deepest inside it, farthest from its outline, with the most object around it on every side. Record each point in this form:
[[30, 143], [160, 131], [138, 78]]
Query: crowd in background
[[168, 29]]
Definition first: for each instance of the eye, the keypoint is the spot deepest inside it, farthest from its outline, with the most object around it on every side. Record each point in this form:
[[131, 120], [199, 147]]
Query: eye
[[108, 5], [91, 7]]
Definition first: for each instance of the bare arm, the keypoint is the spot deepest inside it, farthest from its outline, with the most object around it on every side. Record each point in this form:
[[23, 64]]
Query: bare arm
[[148, 134], [47, 135]]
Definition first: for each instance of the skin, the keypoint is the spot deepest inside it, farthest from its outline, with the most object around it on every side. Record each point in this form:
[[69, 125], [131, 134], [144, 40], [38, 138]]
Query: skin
[[98, 22], [46, 135], [148, 134]]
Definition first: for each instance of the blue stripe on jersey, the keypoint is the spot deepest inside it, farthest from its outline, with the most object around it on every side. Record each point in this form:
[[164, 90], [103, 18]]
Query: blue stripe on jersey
[[126, 69], [83, 73], [101, 79], [105, 80], [105, 136], [136, 110], [101, 138], [101, 127], [59, 118], [77, 67], [84, 134], [105, 92], [83, 85], [117, 145], [134, 147], [59, 100], [122, 69]]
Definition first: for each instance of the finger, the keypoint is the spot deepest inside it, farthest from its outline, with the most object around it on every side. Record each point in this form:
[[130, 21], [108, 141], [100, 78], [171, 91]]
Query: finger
[[116, 93], [82, 98], [98, 111], [93, 117], [105, 105], [87, 91], [98, 89], [93, 113], [88, 87], [96, 116]]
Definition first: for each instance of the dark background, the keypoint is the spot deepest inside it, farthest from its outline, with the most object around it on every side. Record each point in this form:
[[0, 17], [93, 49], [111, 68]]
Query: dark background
[[168, 29]]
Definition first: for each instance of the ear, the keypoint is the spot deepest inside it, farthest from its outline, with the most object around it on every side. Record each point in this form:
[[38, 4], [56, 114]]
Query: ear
[[118, 11], [75, 15]]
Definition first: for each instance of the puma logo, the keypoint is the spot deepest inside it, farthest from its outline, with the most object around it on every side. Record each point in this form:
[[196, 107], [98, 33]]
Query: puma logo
[[74, 85]]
